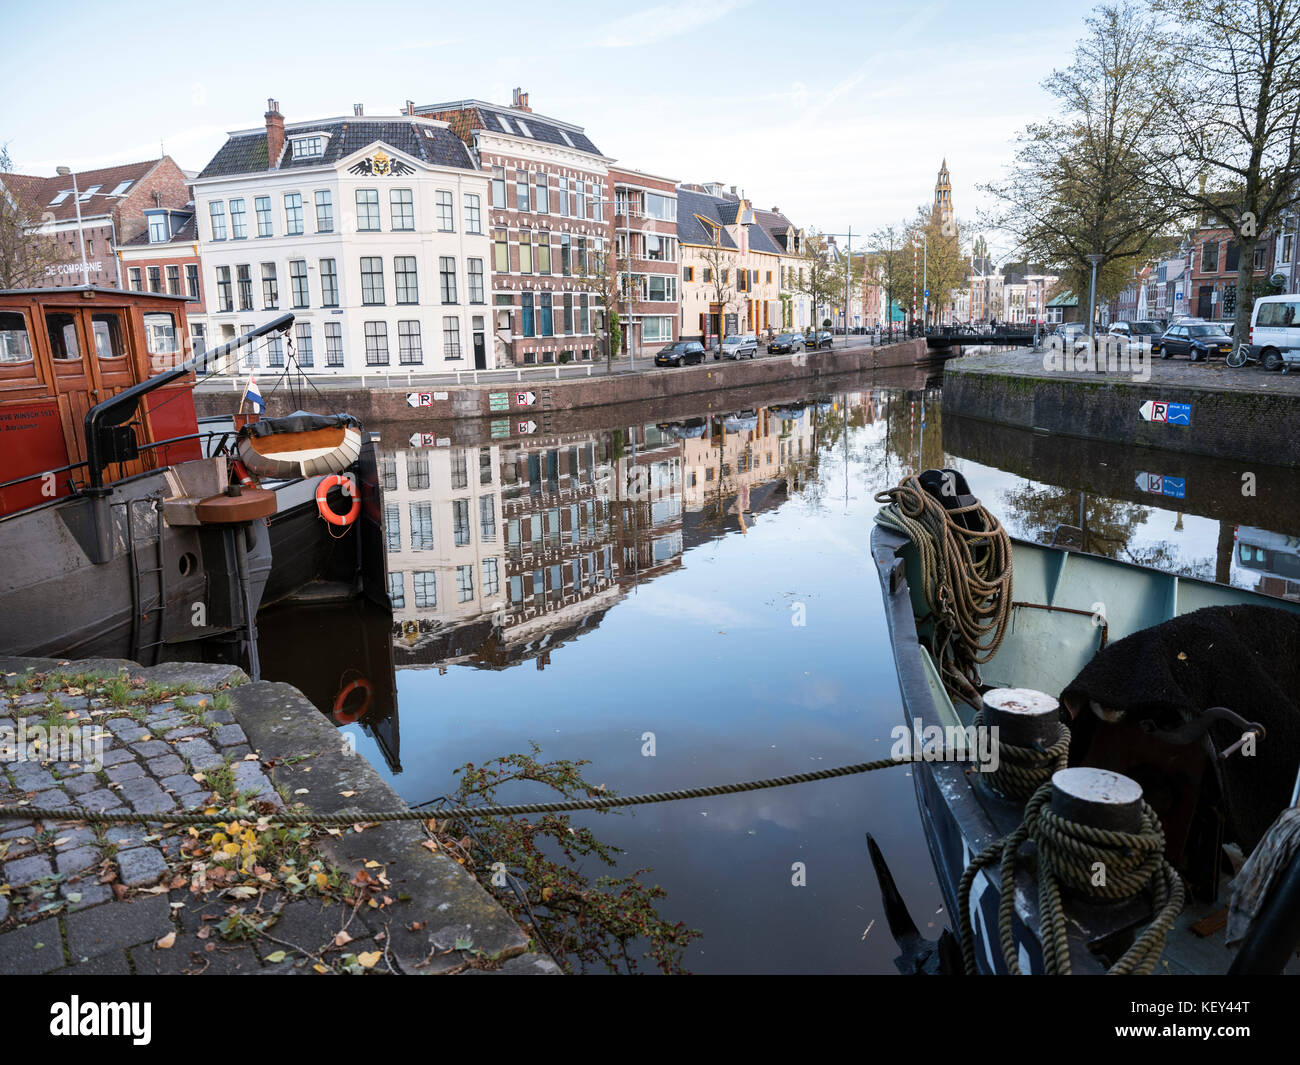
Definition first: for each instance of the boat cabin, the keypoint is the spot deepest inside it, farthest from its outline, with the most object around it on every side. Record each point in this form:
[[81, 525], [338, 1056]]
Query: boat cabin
[[62, 351]]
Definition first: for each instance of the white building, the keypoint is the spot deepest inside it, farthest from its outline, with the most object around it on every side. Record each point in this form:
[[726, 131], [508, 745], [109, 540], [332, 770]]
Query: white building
[[372, 231]]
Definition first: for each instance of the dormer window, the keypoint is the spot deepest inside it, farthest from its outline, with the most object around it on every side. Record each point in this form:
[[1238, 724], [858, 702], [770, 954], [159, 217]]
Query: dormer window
[[312, 147], [159, 230]]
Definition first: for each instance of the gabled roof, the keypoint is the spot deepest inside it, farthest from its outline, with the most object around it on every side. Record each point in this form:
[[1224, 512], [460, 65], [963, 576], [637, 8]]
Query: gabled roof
[[40, 192], [693, 205], [539, 127], [775, 224], [246, 153]]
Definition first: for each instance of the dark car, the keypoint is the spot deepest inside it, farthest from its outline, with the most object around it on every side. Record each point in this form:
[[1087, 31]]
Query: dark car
[[1197, 340], [822, 339], [682, 353], [786, 342]]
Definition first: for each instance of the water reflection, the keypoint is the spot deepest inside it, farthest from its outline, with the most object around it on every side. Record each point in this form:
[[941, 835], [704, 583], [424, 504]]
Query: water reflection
[[650, 571]]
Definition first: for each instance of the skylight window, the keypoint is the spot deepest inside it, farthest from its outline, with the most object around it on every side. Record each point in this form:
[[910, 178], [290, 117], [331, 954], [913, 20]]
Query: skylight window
[[566, 139], [524, 129], [60, 197], [505, 124], [122, 186], [90, 192]]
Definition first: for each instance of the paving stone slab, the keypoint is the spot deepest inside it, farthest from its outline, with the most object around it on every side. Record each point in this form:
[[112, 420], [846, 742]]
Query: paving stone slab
[[151, 748], [200, 754], [165, 766], [82, 784], [126, 729], [70, 839], [27, 870], [141, 866], [145, 796], [190, 955], [76, 860], [181, 783], [229, 735], [105, 965], [102, 801], [181, 733], [125, 771], [53, 798], [89, 891], [116, 757], [101, 929], [30, 777], [31, 950]]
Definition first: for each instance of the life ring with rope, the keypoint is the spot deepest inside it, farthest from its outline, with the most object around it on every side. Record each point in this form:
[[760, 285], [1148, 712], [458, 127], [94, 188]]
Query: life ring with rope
[[349, 489], [349, 717]]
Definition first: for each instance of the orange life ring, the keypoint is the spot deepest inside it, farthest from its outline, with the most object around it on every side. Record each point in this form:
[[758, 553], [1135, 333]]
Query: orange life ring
[[348, 717], [322, 490]]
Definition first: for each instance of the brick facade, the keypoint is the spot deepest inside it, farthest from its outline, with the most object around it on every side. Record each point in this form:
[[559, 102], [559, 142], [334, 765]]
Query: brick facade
[[646, 216]]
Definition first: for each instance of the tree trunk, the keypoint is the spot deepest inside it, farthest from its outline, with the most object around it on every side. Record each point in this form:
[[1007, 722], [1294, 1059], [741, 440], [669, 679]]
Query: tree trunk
[[1245, 286]]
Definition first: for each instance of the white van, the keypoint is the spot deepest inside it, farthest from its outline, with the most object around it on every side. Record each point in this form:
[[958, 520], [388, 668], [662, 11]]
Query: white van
[[1275, 329]]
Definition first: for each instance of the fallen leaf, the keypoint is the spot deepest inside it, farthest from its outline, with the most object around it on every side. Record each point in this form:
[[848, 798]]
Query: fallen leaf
[[1182, 656], [372, 864], [278, 955], [320, 968], [431, 844], [250, 757], [166, 942], [347, 794], [341, 939], [204, 931], [301, 791], [369, 959]]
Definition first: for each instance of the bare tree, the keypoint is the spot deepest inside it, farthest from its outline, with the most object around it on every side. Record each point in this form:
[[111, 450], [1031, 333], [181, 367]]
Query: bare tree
[[820, 275], [602, 267], [26, 249], [891, 257], [1231, 139], [717, 280], [1084, 182]]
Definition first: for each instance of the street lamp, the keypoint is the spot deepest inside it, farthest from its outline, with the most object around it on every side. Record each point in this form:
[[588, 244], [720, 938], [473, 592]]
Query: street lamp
[[1092, 295], [64, 171]]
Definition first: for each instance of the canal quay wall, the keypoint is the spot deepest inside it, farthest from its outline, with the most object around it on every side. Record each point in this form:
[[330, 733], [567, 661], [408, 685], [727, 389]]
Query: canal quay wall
[[1245, 415], [122, 899], [511, 398]]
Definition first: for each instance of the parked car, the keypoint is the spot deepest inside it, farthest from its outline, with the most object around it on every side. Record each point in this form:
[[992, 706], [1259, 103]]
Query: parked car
[[1197, 340], [740, 346], [821, 339], [786, 343], [1274, 328], [1146, 330], [1070, 330], [682, 353]]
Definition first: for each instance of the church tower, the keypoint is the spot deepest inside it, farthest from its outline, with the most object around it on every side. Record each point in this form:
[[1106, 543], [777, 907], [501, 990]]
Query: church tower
[[943, 194]]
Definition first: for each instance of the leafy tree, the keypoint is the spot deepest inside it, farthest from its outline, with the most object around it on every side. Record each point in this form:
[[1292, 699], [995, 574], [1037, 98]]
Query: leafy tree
[[718, 262], [891, 259]]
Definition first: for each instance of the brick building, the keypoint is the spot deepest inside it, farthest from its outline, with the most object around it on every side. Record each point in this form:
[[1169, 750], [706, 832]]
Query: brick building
[[550, 216], [113, 202], [1212, 278], [645, 218], [165, 258]]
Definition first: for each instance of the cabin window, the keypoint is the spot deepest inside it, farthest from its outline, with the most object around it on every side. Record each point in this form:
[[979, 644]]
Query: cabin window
[[63, 336], [107, 330], [14, 344], [160, 333]]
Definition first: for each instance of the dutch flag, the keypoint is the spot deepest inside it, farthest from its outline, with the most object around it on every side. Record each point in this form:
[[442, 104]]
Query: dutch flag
[[252, 395]]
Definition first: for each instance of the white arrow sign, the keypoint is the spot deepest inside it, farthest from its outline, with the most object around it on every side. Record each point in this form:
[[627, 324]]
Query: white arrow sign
[[527, 427], [415, 440], [418, 399], [525, 399]]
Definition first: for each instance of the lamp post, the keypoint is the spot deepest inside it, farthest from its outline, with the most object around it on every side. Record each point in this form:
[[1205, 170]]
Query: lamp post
[[1092, 296], [64, 171]]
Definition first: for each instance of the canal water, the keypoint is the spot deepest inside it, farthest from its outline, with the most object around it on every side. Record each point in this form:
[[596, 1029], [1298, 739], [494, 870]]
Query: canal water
[[692, 602]]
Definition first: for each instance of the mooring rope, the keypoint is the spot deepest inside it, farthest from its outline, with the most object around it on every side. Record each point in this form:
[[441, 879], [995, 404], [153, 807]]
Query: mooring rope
[[350, 817], [965, 576], [1022, 771], [1075, 855]]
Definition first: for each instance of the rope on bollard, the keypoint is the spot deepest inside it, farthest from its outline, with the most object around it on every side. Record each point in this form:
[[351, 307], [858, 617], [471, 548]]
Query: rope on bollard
[[352, 817]]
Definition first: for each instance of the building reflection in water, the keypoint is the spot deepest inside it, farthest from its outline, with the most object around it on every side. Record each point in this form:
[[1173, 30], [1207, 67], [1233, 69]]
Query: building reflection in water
[[500, 553]]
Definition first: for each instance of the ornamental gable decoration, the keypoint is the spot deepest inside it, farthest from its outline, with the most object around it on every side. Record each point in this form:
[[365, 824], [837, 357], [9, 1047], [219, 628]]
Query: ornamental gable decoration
[[381, 164]]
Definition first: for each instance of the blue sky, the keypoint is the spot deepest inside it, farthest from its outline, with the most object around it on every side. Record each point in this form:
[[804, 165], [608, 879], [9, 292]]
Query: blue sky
[[839, 113]]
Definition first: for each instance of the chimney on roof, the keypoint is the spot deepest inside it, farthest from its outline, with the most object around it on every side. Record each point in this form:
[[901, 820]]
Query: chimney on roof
[[274, 134], [521, 101], [410, 107], [358, 111]]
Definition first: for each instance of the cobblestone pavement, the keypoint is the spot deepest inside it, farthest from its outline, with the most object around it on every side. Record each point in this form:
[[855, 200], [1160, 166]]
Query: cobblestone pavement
[[122, 899]]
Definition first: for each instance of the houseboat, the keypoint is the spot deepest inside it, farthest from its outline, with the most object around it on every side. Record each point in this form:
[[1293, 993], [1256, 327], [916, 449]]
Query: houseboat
[[127, 532]]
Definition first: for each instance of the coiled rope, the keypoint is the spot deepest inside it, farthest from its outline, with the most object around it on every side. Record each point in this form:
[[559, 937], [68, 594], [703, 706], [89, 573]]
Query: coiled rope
[[1022, 771], [965, 577], [1069, 854], [351, 817]]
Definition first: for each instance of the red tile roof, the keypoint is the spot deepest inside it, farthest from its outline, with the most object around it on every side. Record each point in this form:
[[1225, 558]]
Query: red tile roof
[[40, 191]]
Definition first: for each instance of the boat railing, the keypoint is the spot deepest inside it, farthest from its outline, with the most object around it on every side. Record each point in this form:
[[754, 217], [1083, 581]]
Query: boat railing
[[102, 418]]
